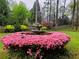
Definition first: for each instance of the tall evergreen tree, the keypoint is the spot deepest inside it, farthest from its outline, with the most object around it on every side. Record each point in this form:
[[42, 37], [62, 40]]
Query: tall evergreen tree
[[33, 11], [4, 12]]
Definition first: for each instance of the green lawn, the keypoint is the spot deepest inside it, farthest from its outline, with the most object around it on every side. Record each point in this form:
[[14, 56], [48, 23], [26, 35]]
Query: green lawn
[[3, 54], [72, 46], [1, 35]]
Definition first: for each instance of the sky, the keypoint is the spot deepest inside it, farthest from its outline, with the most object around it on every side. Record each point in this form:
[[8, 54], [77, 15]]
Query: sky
[[29, 3]]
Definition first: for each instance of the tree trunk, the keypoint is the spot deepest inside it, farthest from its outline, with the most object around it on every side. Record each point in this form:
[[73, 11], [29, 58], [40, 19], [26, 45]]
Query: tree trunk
[[50, 10], [77, 16], [57, 13], [73, 14]]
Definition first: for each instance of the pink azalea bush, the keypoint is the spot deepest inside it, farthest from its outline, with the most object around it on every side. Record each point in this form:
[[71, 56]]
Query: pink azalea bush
[[47, 41]]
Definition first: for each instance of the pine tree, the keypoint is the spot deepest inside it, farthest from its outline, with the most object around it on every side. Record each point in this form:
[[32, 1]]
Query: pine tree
[[33, 11]]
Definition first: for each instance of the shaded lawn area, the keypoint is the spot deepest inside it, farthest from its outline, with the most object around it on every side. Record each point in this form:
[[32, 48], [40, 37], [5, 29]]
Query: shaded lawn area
[[72, 46]]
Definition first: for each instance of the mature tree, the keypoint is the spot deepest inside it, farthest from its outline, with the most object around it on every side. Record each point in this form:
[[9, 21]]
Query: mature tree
[[4, 11], [12, 3], [64, 6], [77, 18], [57, 12], [20, 13], [73, 12], [33, 11]]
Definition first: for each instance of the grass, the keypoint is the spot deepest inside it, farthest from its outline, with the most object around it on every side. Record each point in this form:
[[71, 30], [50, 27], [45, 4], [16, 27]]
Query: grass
[[65, 28], [1, 35], [72, 46], [3, 54]]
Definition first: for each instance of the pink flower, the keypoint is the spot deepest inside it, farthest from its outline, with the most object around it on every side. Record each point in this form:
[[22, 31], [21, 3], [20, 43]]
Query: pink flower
[[41, 57], [29, 52], [52, 40], [37, 54]]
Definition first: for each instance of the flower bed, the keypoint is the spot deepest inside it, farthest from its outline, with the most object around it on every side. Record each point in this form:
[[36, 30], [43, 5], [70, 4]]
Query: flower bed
[[29, 43]]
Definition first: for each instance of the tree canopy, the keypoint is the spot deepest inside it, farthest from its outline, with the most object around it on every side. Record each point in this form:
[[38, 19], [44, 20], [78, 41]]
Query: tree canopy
[[4, 11], [20, 13]]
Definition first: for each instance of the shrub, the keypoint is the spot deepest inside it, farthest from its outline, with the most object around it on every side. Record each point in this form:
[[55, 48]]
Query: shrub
[[9, 28], [23, 27], [44, 28]]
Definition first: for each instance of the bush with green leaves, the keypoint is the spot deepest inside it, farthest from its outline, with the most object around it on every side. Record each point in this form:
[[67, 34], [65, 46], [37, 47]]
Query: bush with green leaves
[[9, 28], [23, 27]]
